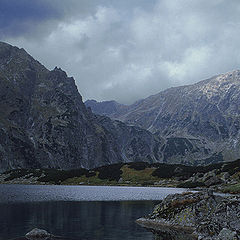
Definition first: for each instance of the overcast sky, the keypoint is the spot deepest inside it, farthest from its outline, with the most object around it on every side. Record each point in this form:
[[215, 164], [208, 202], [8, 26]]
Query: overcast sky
[[126, 50]]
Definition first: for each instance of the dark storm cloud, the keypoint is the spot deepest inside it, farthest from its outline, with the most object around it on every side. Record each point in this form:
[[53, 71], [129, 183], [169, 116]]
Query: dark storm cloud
[[20, 17], [126, 50]]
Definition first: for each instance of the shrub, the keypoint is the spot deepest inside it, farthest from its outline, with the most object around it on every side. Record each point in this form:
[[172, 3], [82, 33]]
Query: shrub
[[147, 183], [111, 172], [18, 173], [57, 176], [138, 165], [191, 185]]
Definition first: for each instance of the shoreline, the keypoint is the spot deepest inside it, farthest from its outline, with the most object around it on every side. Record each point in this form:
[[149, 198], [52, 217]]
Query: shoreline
[[199, 215], [216, 190]]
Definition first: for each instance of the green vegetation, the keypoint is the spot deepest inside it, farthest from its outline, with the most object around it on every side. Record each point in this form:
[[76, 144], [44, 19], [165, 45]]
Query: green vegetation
[[18, 173], [231, 167], [191, 185], [111, 172], [232, 188], [178, 170], [137, 173], [143, 177], [139, 165], [57, 176], [94, 180]]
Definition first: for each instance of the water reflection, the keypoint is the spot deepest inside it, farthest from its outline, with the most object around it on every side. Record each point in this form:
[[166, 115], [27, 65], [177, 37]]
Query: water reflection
[[81, 220]]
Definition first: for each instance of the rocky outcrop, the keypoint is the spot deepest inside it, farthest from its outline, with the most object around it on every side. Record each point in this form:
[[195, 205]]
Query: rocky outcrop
[[208, 179], [202, 119], [200, 215]]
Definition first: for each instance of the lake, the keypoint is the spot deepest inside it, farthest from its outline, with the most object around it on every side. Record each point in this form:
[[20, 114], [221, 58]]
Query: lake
[[79, 212]]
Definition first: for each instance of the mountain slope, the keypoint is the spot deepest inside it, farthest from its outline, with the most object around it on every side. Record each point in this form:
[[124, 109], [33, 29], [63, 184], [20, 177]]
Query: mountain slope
[[207, 111], [44, 123]]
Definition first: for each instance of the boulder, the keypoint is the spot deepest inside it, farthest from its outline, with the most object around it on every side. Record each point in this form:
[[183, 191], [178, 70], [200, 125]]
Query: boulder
[[225, 176], [208, 175], [227, 234], [214, 180], [38, 234]]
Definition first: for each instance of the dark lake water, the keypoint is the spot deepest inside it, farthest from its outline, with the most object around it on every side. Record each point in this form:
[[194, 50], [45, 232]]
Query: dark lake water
[[79, 212]]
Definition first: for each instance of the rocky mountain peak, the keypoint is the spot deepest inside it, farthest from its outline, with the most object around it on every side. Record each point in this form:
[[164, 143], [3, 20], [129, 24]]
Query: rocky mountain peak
[[8, 53], [220, 84]]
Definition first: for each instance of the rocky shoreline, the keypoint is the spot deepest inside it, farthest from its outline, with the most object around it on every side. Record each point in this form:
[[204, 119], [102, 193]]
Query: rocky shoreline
[[199, 215]]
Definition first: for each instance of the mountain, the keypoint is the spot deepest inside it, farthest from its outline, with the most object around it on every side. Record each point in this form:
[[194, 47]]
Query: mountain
[[44, 123], [107, 108], [205, 114]]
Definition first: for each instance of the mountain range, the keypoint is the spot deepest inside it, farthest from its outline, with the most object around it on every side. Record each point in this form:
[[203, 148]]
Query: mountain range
[[203, 117], [45, 124]]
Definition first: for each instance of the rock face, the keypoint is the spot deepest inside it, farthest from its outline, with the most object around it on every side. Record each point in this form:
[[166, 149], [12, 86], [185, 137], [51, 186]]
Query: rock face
[[200, 215], [202, 116], [44, 123]]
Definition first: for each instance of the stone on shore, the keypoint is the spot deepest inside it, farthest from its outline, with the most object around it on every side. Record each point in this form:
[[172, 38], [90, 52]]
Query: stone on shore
[[38, 234]]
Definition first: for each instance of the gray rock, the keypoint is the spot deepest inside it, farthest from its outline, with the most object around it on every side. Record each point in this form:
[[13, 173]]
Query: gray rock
[[225, 176], [38, 234], [200, 214], [227, 234], [212, 181], [208, 175], [120, 180]]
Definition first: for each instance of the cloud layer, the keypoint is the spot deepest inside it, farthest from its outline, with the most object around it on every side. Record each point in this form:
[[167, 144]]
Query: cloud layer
[[127, 51]]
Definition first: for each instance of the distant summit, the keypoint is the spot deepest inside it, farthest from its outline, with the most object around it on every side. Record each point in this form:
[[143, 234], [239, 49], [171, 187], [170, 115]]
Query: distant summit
[[108, 108]]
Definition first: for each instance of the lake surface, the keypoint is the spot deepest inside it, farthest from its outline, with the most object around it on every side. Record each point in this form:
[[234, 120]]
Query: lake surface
[[79, 212]]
